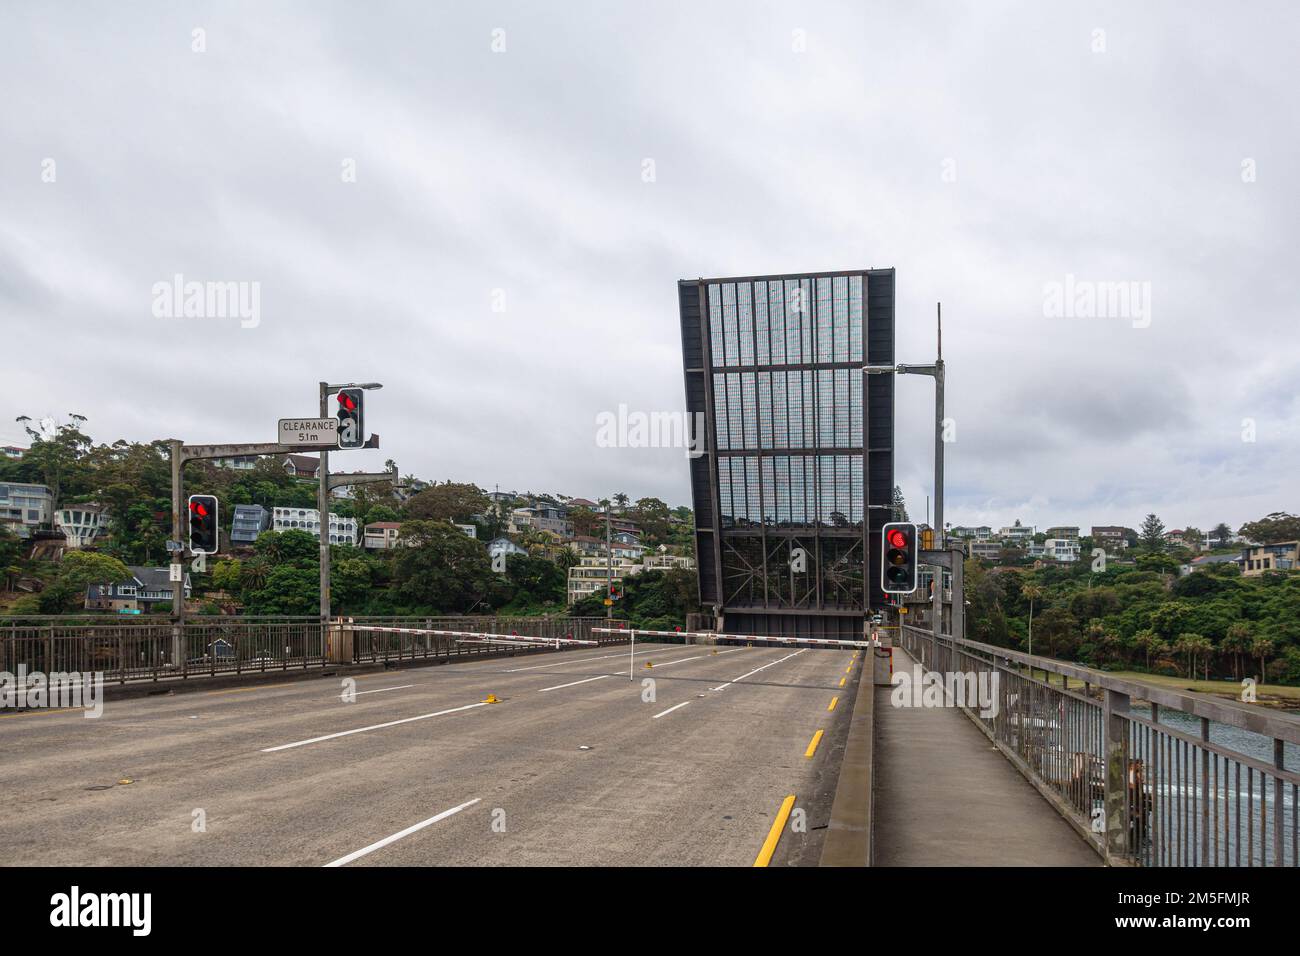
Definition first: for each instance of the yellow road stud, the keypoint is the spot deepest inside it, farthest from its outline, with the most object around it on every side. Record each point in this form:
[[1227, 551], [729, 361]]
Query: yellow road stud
[[491, 699]]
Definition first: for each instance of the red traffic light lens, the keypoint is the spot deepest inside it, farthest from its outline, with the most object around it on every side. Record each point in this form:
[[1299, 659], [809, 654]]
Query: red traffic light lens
[[897, 539]]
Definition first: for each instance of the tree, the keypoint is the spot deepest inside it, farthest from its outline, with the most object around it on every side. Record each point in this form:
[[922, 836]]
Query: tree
[[1236, 643], [1057, 628], [58, 450], [1153, 533], [654, 518], [350, 581], [289, 589], [586, 522], [439, 568], [898, 506], [450, 501], [535, 581], [1031, 592], [81, 569], [227, 575], [621, 499], [1262, 648], [1221, 534], [10, 551], [1277, 526], [1194, 647], [1150, 643]]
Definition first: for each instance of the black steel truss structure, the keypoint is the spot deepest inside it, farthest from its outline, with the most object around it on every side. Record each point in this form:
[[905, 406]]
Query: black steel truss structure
[[798, 467]]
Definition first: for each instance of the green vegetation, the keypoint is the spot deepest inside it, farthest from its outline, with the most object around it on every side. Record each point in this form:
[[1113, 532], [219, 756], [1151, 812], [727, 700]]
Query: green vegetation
[[437, 570], [1143, 617], [655, 600]]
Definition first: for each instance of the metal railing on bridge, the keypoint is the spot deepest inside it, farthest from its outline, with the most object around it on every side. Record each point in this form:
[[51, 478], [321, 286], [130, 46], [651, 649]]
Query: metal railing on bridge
[[1151, 776], [125, 651]]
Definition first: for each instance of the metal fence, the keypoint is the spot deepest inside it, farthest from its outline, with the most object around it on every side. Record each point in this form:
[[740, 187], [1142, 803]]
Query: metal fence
[[1151, 776], [213, 645]]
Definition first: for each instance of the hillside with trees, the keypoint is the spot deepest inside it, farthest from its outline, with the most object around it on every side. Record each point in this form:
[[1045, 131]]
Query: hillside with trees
[[1144, 615]]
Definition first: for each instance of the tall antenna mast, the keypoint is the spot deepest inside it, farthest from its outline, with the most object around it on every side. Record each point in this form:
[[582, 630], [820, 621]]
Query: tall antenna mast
[[938, 308]]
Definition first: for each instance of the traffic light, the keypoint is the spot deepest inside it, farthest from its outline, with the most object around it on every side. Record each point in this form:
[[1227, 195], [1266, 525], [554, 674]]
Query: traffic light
[[615, 591], [899, 558], [203, 524], [352, 432]]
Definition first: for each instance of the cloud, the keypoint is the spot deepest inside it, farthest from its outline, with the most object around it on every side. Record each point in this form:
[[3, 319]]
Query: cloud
[[984, 152]]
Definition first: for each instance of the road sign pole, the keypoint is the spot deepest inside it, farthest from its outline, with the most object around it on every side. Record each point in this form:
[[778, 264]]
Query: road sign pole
[[324, 502], [631, 652], [178, 589]]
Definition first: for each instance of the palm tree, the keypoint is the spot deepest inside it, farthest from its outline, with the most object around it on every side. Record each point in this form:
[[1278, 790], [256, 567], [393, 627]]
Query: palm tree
[[1150, 643], [1032, 592], [1262, 649], [621, 500], [1196, 647], [1236, 643], [254, 574], [1205, 651]]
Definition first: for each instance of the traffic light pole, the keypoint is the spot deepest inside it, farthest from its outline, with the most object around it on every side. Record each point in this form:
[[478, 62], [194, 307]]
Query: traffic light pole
[[323, 494], [935, 371], [180, 454]]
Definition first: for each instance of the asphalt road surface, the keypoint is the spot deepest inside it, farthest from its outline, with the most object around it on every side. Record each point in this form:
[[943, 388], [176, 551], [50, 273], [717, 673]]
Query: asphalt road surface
[[574, 766]]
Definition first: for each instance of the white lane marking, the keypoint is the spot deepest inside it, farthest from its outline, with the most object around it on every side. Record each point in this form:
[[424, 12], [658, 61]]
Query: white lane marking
[[377, 690], [669, 710], [357, 854], [756, 670], [362, 730], [574, 660], [680, 660], [574, 683]]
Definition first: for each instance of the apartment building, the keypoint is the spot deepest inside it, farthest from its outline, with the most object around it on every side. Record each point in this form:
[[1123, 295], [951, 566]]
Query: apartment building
[[249, 521], [964, 533], [1281, 556], [1018, 534], [984, 550], [592, 574], [341, 530], [82, 525], [24, 507], [381, 535], [1110, 536], [1064, 532]]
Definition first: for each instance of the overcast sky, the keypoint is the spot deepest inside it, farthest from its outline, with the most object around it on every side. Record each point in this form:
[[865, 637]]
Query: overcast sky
[[455, 200]]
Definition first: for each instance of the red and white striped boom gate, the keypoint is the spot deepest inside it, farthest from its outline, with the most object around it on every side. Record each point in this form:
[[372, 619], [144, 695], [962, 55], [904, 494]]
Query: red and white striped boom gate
[[473, 637], [817, 641]]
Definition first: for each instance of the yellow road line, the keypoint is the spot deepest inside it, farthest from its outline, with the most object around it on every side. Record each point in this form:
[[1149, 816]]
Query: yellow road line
[[774, 834], [812, 746], [38, 711], [831, 705]]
